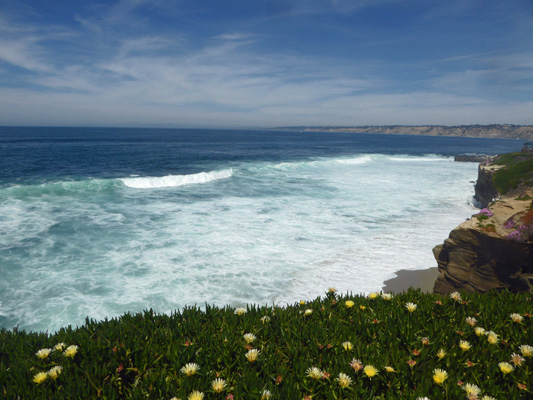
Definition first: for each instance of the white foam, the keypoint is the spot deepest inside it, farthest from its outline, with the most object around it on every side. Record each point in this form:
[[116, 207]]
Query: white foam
[[176, 180], [355, 161]]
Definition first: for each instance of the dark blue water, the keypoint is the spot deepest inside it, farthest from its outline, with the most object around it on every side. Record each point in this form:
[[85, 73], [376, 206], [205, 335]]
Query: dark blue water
[[48, 154]]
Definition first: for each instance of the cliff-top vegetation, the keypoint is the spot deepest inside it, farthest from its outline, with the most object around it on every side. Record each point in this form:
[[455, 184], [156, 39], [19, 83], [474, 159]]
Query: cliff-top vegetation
[[516, 170], [380, 346]]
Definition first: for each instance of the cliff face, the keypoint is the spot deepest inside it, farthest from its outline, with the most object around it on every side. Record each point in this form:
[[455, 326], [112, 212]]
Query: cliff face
[[494, 248], [485, 191]]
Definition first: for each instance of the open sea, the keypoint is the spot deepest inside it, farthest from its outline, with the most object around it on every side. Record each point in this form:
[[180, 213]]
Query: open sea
[[99, 222]]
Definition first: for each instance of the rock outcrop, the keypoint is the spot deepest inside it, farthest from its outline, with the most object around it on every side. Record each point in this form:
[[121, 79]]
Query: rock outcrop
[[493, 249]]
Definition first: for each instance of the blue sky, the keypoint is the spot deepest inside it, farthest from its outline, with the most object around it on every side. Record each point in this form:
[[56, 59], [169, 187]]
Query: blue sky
[[265, 63]]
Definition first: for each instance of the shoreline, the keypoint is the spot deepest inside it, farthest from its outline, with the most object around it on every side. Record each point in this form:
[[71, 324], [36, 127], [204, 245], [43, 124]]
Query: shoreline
[[423, 279]]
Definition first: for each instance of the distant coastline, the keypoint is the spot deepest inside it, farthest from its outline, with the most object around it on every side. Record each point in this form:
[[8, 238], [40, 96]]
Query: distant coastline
[[504, 131]]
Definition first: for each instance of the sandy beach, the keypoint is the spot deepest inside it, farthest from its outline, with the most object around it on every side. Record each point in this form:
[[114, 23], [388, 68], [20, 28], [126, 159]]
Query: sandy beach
[[423, 279]]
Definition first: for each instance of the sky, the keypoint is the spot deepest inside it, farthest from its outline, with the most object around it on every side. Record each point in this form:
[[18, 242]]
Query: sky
[[265, 63]]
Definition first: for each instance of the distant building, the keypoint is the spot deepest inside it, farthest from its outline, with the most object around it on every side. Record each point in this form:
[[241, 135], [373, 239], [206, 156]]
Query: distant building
[[528, 148]]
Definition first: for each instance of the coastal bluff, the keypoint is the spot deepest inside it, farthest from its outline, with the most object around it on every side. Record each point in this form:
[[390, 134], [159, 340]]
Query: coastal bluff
[[493, 249]]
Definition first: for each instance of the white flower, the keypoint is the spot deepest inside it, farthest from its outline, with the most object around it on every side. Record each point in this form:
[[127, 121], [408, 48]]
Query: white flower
[[344, 380], [456, 296], [471, 389], [314, 372], [479, 330], [410, 307], [492, 338], [264, 319], [526, 350], [190, 369], [60, 346], [249, 337], [55, 371], [308, 312], [471, 321], [252, 355], [43, 353], [516, 317], [218, 385], [386, 296], [240, 311], [71, 351], [266, 395]]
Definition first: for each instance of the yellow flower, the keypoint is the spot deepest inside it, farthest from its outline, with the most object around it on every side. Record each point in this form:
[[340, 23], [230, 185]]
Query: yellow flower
[[516, 317], [362, 307], [43, 353], [487, 398], [240, 311], [389, 369], [456, 296], [60, 346], [386, 296], [505, 367], [347, 346], [441, 353], [410, 307], [332, 290], [314, 373], [471, 321], [40, 377], [249, 337], [344, 380], [71, 351], [252, 355], [218, 385], [471, 389], [479, 331], [439, 376], [196, 395], [349, 304], [492, 338], [55, 371], [302, 302], [370, 371], [308, 312], [190, 369], [425, 341], [526, 350], [266, 395], [373, 295], [464, 345]]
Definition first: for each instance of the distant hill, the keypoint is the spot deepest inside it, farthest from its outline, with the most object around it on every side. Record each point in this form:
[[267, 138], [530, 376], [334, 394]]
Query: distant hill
[[487, 131]]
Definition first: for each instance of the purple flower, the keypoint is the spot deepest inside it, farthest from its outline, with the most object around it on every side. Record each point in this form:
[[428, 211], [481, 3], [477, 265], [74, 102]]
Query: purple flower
[[510, 224]]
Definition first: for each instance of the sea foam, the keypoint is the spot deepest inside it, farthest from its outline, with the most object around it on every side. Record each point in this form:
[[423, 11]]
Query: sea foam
[[176, 180]]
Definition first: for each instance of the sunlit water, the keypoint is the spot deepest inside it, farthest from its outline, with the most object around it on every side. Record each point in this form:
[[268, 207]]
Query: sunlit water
[[129, 229]]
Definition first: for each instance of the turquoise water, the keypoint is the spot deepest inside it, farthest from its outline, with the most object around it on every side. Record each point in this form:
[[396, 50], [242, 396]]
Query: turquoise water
[[98, 222]]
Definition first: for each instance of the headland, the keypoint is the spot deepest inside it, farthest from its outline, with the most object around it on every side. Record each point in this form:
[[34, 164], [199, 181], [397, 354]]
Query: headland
[[504, 131]]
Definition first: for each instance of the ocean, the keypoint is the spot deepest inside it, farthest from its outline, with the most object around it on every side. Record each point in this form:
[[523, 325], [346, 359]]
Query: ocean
[[97, 222]]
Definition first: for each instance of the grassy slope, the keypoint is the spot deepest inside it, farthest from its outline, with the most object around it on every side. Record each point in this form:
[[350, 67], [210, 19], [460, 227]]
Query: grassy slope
[[140, 356], [518, 169]]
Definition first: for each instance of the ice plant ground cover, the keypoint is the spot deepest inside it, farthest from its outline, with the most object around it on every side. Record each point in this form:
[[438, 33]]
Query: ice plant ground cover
[[396, 352]]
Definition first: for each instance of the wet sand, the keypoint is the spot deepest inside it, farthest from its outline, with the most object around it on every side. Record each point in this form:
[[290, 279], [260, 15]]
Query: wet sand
[[423, 279]]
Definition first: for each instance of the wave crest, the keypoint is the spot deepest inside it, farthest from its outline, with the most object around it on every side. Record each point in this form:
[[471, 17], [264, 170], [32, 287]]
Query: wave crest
[[176, 180]]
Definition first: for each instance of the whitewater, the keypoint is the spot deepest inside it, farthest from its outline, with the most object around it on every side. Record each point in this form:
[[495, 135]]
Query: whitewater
[[231, 231]]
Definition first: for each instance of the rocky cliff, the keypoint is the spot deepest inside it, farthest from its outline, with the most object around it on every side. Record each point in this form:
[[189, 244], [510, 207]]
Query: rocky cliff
[[494, 248]]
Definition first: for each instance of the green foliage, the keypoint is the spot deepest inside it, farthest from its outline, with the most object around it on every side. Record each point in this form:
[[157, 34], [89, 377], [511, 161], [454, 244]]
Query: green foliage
[[517, 169], [142, 356]]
